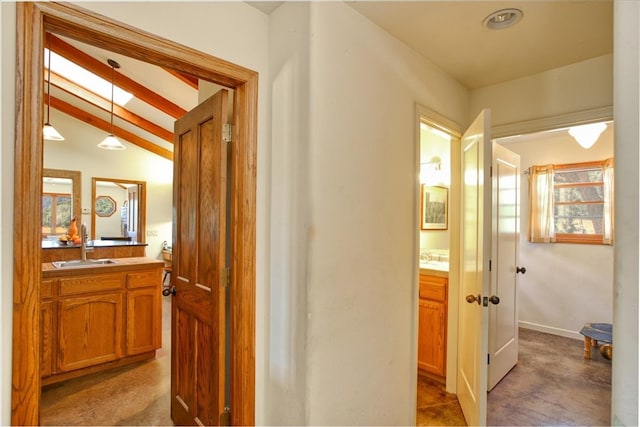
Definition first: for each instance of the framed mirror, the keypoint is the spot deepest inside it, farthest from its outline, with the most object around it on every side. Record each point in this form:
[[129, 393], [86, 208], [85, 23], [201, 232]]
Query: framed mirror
[[61, 191], [118, 209]]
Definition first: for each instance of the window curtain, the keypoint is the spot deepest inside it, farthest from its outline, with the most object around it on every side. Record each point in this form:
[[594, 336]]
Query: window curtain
[[608, 214], [541, 204]]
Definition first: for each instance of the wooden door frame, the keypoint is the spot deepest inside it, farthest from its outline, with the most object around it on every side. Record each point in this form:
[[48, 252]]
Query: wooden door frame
[[33, 19]]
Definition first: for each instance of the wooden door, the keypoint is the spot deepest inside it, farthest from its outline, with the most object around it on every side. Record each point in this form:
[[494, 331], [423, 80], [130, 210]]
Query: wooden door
[[474, 276], [199, 264], [503, 317]]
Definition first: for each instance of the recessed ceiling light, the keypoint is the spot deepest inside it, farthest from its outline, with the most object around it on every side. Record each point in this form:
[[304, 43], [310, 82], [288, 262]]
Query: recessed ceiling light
[[502, 19]]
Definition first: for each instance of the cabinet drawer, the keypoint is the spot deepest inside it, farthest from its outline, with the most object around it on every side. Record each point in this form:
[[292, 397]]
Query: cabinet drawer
[[433, 291], [141, 279], [46, 288], [89, 284], [433, 287]]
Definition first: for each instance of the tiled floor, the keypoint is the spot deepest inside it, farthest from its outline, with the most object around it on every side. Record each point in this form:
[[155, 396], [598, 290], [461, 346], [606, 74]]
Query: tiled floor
[[551, 385]]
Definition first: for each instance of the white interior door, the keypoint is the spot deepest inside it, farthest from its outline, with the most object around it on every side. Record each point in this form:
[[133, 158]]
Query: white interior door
[[503, 317], [475, 275]]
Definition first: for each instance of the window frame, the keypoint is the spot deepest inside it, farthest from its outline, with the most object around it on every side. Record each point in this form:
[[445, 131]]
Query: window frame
[[54, 212], [593, 239]]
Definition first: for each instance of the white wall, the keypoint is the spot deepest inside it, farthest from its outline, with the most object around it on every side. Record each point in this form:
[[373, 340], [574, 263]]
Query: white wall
[[7, 135], [566, 285], [585, 85], [79, 152], [362, 233], [286, 318], [624, 390], [432, 145]]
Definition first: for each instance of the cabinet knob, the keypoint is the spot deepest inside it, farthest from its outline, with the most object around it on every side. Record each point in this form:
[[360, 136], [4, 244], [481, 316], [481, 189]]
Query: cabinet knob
[[521, 270]]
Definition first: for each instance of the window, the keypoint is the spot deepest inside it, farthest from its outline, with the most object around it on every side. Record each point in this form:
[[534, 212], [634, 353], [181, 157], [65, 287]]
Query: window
[[56, 213], [571, 203]]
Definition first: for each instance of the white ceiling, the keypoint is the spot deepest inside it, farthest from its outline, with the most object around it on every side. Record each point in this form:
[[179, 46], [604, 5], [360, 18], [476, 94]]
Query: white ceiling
[[552, 33]]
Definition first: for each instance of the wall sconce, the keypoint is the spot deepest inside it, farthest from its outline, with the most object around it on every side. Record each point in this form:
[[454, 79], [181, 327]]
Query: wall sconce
[[587, 135], [430, 171]]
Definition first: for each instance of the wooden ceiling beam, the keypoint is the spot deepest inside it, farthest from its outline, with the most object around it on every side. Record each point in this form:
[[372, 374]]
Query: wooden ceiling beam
[[104, 104], [80, 58], [104, 125]]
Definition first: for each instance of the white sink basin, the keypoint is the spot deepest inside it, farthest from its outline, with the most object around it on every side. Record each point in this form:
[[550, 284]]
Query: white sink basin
[[78, 263]]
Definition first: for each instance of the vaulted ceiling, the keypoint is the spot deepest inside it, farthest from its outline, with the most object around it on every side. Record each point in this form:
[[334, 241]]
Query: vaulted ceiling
[[160, 96]]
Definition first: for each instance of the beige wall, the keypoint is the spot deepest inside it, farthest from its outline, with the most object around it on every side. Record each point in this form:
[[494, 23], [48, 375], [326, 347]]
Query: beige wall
[[585, 85], [624, 390]]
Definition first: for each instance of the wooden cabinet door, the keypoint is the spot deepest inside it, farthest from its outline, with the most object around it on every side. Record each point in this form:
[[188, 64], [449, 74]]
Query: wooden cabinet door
[[47, 327], [431, 340], [47, 323], [144, 318], [89, 330]]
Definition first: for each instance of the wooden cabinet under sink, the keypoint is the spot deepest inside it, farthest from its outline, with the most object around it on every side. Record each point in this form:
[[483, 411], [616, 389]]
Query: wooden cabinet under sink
[[100, 317], [432, 325]]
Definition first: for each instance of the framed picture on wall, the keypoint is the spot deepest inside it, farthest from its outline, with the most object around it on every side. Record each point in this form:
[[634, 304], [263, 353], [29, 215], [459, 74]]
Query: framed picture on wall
[[434, 208]]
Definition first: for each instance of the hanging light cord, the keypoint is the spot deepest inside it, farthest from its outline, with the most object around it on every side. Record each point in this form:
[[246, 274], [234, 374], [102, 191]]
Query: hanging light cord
[[113, 72], [49, 83]]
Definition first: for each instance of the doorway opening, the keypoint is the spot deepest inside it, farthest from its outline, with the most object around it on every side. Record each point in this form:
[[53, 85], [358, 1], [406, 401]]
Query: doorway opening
[[33, 19], [572, 150]]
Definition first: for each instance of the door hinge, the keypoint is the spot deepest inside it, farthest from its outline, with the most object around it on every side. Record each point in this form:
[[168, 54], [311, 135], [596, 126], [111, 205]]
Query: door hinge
[[491, 171], [227, 132], [226, 278], [225, 417], [489, 265], [488, 358]]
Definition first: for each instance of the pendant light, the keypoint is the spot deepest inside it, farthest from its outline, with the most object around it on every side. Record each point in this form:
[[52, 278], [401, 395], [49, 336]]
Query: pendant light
[[111, 142], [48, 131], [587, 135]]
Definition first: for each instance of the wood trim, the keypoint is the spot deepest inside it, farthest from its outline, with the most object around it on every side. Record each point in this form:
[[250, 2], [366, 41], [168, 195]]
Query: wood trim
[[25, 383], [72, 21], [104, 125], [103, 70]]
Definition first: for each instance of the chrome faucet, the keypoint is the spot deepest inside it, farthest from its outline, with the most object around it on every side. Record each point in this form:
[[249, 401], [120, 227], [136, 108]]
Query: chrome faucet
[[83, 242]]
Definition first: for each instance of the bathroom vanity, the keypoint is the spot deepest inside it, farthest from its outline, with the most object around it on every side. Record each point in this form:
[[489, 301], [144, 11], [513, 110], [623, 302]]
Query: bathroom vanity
[[432, 321], [98, 316]]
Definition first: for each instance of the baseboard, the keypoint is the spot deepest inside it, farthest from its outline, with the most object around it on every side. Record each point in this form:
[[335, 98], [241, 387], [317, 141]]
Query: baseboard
[[550, 330]]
